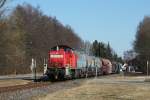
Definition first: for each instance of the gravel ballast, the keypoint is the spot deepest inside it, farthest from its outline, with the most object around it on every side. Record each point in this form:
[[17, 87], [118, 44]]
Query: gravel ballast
[[30, 93]]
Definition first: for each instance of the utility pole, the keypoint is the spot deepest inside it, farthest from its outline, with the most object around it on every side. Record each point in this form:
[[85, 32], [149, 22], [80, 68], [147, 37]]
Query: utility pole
[[34, 70], [147, 67], [45, 66], [96, 71], [95, 64]]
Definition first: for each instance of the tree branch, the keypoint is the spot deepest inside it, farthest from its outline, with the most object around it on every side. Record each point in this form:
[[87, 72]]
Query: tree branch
[[2, 2]]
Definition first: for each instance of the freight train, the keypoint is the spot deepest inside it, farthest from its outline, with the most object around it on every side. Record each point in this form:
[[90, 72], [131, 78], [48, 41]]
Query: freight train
[[66, 63]]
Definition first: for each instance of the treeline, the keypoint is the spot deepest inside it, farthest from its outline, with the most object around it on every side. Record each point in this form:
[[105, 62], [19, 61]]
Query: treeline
[[142, 45], [27, 33], [100, 49]]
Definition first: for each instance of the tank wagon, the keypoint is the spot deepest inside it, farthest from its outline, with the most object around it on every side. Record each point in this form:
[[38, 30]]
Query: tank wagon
[[116, 66], [66, 63]]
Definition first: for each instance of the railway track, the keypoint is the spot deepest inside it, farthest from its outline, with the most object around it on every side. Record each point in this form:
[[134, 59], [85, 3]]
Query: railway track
[[32, 89], [21, 76], [39, 84], [22, 87]]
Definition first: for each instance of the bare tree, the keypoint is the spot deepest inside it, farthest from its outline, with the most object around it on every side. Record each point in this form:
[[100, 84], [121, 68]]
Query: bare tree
[[142, 43], [32, 34], [2, 3]]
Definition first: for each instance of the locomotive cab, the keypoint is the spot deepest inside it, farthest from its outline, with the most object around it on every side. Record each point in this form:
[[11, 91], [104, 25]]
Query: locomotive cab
[[61, 62]]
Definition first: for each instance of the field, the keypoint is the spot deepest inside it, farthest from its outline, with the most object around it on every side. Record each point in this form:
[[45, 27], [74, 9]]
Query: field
[[104, 88], [110, 87], [12, 82]]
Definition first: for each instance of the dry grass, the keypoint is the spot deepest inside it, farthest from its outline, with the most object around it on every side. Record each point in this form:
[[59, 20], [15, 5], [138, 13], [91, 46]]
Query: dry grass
[[107, 89], [12, 82]]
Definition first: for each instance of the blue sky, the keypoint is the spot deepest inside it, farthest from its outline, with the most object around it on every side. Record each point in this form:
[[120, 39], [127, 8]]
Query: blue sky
[[113, 21]]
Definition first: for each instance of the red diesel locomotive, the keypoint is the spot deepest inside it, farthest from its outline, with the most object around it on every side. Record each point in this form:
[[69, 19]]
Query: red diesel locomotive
[[65, 63], [62, 62]]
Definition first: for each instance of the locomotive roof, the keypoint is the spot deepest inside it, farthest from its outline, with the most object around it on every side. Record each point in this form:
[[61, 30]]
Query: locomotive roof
[[61, 46]]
